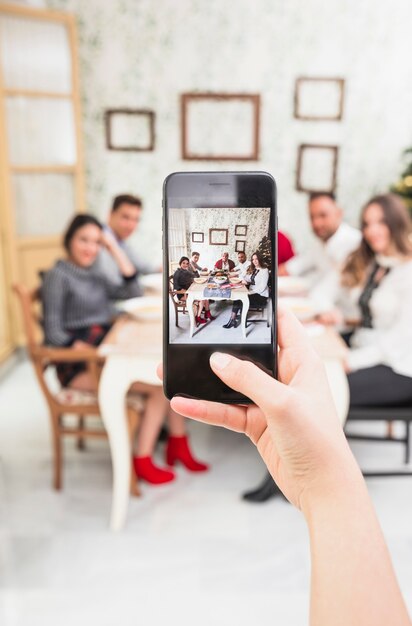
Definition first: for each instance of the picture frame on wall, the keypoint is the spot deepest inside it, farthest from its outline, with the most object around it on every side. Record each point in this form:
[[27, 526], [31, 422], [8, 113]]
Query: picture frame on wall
[[319, 99], [130, 130], [220, 126], [218, 236], [240, 245], [241, 230], [317, 168], [198, 237]]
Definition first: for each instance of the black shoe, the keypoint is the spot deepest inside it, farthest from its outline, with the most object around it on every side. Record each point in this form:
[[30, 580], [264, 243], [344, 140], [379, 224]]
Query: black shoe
[[230, 323], [266, 490], [237, 322]]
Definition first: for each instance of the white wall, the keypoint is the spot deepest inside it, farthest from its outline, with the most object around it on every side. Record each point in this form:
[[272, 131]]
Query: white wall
[[144, 53]]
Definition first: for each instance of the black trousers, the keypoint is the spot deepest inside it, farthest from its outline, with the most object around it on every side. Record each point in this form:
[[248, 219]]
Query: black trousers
[[255, 299], [379, 386]]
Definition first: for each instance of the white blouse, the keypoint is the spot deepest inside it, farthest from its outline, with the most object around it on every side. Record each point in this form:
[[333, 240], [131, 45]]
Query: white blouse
[[389, 342], [261, 282]]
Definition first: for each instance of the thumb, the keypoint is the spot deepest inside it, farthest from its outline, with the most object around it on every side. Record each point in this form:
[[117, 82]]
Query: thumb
[[250, 380]]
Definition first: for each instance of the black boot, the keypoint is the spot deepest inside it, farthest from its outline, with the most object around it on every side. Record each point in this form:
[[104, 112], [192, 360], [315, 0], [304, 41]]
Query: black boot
[[266, 490], [230, 323]]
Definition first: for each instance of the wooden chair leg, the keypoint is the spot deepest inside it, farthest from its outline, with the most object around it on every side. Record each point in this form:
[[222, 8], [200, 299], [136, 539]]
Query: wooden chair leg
[[177, 317], [81, 443], [57, 451], [133, 418]]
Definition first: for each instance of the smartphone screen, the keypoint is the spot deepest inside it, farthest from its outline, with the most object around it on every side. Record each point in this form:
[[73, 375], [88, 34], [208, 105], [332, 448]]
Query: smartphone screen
[[220, 277]]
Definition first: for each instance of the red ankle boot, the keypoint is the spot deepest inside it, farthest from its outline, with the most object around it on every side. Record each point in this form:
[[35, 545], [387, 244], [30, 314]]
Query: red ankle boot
[[147, 470], [178, 450], [209, 316], [200, 320]]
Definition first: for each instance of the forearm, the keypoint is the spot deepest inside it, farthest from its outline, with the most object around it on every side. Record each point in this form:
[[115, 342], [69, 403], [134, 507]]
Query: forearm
[[352, 575], [126, 267]]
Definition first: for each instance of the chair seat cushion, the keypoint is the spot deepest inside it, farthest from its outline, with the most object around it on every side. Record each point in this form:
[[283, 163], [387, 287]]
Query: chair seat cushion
[[89, 398]]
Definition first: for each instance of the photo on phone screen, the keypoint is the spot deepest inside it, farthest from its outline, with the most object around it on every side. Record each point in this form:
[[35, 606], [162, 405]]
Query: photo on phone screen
[[219, 279], [222, 269]]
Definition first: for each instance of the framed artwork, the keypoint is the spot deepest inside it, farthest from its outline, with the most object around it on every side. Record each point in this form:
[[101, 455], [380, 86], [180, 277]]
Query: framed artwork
[[218, 236], [220, 126], [240, 246], [319, 99], [198, 237], [317, 168], [241, 230], [130, 130]]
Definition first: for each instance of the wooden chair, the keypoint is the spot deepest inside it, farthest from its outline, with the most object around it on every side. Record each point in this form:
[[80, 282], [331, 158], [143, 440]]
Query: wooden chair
[[179, 305], [66, 400]]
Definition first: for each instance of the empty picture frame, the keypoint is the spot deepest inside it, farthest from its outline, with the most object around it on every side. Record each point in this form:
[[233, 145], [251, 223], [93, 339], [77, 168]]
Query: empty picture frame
[[220, 126], [198, 237], [130, 130], [319, 99], [240, 246], [241, 230], [316, 168], [218, 236]]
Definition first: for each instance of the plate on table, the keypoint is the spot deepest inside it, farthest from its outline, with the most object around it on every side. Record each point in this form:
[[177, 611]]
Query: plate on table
[[292, 286], [146, 309], [235, 281], [303, 308], [200, 280], [152, 282]]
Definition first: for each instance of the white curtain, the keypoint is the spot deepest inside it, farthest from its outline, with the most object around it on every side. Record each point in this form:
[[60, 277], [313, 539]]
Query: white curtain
[[177, 236]]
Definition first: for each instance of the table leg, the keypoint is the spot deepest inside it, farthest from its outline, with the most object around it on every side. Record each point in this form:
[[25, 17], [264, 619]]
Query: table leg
[[338, 383], [114, 383], [245, 309], [189, 304]]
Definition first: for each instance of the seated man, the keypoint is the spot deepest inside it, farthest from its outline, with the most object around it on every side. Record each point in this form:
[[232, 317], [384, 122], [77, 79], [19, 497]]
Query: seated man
[[194, 264], [242, 265], [335, 240], [123, 221], [225, 263]]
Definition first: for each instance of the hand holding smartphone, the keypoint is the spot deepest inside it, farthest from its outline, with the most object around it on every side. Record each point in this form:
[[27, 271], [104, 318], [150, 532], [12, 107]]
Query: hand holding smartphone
[[220, 239]]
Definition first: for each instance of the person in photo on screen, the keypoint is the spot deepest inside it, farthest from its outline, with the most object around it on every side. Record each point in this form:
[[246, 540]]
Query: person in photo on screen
[[194, 264], [182, 279], [242, 266], [224, 263], [256, 280]]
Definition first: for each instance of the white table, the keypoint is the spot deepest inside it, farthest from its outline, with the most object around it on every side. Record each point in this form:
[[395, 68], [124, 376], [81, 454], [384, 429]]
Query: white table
[[195, 292], [133, 351]]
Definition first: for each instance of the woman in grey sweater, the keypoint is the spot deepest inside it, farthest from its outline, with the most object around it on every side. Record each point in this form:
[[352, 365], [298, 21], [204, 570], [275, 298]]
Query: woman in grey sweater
[[78, 311]]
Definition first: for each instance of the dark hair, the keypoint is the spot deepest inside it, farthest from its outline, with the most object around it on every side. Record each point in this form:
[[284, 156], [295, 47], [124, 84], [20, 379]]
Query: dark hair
[[193, 253], [261, 260], [397, 219], [183, 258], [321, 194], [78, 222], [126, 199]]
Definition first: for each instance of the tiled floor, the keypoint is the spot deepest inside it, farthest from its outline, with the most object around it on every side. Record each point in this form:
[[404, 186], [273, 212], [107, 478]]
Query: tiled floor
[[192, 553]]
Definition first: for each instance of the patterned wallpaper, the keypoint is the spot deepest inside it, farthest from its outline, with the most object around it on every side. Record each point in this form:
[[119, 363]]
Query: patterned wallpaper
[[143, 54], [201, 220]]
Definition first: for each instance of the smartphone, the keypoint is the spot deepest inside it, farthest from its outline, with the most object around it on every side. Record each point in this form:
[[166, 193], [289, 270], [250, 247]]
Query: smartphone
[[220, 271]]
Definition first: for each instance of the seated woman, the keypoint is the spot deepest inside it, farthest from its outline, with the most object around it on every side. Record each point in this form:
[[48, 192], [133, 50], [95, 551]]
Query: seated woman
[[78, 312], [256, 279], [182, 279], [379, 276]]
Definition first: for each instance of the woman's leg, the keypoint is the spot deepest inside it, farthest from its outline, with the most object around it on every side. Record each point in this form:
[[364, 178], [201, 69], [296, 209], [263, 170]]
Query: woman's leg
[[236, 309], [379, 386], [156, 406], [177, 448]]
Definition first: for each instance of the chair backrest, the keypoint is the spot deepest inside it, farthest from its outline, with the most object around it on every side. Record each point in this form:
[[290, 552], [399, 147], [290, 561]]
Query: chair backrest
[[30, 302]]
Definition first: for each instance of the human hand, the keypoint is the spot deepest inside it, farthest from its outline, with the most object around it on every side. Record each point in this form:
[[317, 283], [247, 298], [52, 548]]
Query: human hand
[[282, 271], [108, 241], [330, 318], [80, 345], [293, 423]]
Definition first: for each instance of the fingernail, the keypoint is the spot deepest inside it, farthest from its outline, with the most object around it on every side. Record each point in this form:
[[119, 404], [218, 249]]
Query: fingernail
[[219, 360]]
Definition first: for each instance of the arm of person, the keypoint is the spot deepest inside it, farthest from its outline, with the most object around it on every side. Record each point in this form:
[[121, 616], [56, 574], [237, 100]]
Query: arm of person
[[53, 293], [293, 423], [261, 281], [126, 267]]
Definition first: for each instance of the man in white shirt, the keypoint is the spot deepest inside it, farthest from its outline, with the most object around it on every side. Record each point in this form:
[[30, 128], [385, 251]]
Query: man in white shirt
[[335, 240], [242, 264], [124, 219]]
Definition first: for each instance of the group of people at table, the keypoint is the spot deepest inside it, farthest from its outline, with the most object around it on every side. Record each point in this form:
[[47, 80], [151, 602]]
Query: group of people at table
[[359, 280], [254, 274]]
